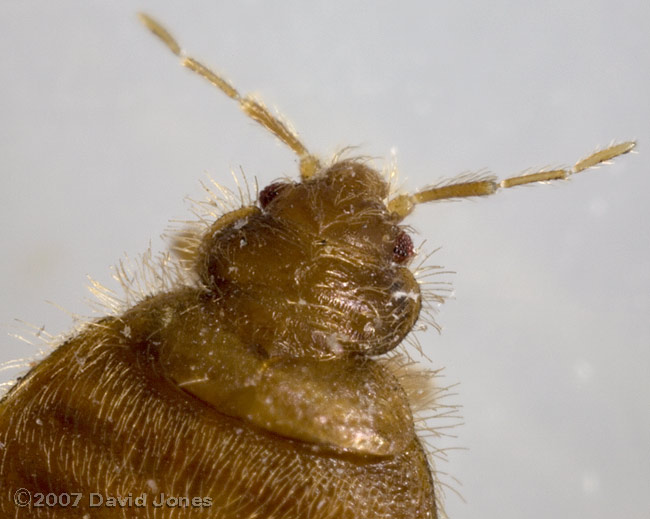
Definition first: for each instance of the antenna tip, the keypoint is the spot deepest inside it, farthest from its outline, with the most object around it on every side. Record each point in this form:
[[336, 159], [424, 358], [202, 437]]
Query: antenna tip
[[160, 32]]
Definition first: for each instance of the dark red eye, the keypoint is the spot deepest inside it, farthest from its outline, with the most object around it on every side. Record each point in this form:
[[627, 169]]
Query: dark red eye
[[270, 192], [403, 248]]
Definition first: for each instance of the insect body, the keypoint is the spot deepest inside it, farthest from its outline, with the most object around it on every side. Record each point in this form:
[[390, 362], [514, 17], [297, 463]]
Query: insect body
[[260, 389]]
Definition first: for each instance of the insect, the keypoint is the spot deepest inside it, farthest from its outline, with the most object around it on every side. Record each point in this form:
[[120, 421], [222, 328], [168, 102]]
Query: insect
[[262, 385]]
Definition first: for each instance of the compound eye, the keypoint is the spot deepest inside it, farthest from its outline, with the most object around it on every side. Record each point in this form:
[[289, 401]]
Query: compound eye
[[403, 248], [270, 192]]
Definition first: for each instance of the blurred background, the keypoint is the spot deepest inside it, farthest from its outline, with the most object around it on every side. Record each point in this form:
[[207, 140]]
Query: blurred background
[[103, 134]]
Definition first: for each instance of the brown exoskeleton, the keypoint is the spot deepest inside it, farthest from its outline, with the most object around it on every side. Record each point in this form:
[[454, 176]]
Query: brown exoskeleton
[[258, 390]]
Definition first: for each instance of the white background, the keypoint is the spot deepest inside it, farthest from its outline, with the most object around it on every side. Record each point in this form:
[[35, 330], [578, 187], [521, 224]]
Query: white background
[[102, 134]]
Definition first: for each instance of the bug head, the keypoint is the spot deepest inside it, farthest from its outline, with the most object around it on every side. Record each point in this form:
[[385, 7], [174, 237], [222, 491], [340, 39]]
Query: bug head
[[317, 268], [325, 256]]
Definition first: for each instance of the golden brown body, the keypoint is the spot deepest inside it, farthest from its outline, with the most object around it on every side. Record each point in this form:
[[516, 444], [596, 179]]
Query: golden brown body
[[253, 392]]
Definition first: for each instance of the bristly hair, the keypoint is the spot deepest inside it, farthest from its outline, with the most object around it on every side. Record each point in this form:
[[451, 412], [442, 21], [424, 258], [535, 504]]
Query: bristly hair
[[435, 416]]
